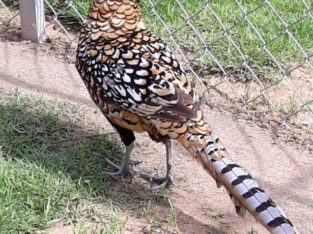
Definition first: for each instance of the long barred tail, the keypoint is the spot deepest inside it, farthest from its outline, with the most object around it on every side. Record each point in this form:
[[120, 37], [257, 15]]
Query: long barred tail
[[244, 191], [247, 194]]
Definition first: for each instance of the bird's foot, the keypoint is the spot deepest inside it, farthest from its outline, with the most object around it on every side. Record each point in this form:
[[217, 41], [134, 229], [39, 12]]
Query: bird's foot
[[124, 171], [157, 182]]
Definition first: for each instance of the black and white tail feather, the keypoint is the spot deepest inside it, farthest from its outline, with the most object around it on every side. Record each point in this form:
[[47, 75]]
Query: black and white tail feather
[[244, 191], [252, 197]]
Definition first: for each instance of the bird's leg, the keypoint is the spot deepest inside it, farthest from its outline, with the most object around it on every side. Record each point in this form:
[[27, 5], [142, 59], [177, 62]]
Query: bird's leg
[[162, 182], [124, 169]]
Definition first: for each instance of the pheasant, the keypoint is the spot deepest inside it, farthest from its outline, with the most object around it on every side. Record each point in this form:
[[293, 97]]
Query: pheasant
[[138, 84]]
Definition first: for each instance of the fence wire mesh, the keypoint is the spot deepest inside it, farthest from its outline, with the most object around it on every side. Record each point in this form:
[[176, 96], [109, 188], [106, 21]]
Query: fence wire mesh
[[256, 55], [7, 13]]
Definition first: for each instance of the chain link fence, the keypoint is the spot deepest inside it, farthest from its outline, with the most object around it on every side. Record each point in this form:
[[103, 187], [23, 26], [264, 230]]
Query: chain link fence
[[256, 55]]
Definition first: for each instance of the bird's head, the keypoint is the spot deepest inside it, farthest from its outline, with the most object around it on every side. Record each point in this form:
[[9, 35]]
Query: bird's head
[[120, 13]]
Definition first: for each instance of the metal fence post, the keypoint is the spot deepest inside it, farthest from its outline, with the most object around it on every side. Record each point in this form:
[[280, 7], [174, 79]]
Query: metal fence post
[[32, 19]]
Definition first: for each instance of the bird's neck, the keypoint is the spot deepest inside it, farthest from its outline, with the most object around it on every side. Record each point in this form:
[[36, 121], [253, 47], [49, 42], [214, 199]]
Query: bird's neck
[[119, 13]]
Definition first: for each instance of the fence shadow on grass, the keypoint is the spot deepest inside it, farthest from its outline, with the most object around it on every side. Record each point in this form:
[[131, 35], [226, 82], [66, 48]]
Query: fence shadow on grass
[[59, 146]]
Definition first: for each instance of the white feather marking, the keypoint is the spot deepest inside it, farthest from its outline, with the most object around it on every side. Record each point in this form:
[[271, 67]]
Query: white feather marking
[[131, 101], [129, 70], [226, 160], [143, 91], [120, 89], [209, 150], [265, 216], [239, 171], [241, 189], [105, 68], [262, 197], [218, 166], [140, 81], [144, 63], [288, 228], [116, 54], [136, 96], [157, 55], [252, 202], [142, 73], [251, 183], [126, 78], [128, 55], [279, 230], [201, 140], [166, 59], [274, 212], [230, 176], [117, 76], [192, 138], [167, 52]]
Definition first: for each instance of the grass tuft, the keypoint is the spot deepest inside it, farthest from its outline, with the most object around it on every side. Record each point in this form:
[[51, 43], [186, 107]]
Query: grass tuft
[[48, 162], [31, 196]]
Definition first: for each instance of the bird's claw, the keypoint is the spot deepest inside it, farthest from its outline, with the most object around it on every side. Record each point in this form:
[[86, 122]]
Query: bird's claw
[[123, 171], [135, 163], [157, 182], [112, 163]]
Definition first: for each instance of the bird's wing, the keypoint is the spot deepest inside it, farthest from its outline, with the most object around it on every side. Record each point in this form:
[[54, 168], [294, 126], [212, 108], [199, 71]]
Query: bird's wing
[[146, 81]]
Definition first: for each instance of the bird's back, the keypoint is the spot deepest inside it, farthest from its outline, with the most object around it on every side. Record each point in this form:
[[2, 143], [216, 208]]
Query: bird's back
[[128, 70]]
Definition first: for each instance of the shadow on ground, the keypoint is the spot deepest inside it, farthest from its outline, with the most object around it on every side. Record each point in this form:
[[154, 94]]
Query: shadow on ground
[[60, 146]]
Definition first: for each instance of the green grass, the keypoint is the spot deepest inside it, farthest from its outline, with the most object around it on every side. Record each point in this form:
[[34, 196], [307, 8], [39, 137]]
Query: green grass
[[271, 29], [52, 164], [158, 218], [283, 48], [48, 162], [228, 12]]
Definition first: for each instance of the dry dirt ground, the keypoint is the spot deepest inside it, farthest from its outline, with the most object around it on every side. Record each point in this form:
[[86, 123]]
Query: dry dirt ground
[[284, 169]]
